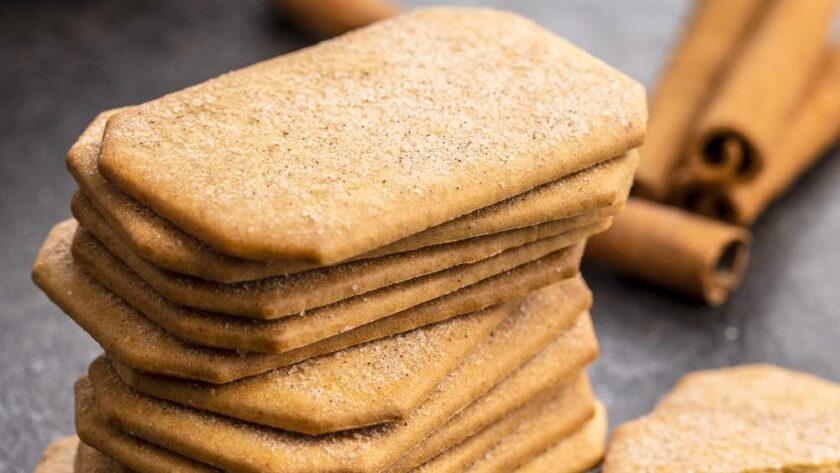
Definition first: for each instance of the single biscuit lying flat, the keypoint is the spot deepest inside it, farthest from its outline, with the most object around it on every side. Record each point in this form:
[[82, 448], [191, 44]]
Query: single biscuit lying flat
[[516, 438], [570, 353], [336, 150], [604, 187], [576, 453], [238, 446], [739, 420], [59, 456], [369, 286]]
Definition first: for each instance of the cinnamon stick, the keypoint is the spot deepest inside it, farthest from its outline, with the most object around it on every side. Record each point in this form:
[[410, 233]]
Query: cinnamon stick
[[708, 43], [810, 133], [745, 120], [328, 18], [668, 247]]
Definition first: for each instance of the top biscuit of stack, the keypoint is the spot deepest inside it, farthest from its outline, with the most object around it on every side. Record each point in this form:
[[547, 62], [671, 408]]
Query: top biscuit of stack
[[334, 151]]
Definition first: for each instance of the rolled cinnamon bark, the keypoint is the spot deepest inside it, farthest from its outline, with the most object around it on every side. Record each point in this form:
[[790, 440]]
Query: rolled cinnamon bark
[[327, 18], [810, 133], [710, 39], [698, 196], [674, 249], [749, 112]]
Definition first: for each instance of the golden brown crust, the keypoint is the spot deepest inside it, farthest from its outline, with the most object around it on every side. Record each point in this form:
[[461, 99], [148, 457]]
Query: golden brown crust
[[121, 329], [316, 155]]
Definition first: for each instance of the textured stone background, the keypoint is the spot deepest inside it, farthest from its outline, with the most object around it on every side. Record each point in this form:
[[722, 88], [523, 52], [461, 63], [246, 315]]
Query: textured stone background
[[63, 61]]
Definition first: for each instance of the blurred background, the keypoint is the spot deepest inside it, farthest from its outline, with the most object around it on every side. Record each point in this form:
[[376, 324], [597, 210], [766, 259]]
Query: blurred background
[[61, 62]]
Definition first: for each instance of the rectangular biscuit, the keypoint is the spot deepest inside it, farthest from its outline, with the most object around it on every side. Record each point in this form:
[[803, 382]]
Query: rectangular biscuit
[[603, 187], [335, 150]]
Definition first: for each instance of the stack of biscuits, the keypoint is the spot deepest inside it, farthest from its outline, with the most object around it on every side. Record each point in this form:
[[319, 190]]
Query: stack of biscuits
[[359, 257]]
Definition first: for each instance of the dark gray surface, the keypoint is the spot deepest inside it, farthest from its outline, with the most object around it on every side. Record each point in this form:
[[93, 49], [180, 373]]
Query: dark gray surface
[[61, 62]]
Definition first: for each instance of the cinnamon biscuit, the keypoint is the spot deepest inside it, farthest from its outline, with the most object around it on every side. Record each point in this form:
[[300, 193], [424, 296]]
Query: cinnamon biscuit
[[330, 152], [574, 200], [735, 420]]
